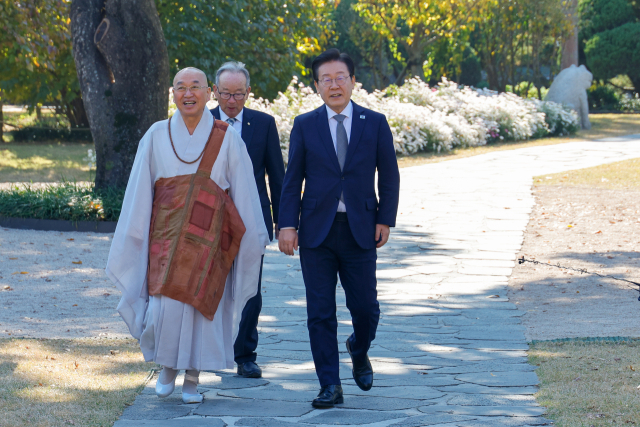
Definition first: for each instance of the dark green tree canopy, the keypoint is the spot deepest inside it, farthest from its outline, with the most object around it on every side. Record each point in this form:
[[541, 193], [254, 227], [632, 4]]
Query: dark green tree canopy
[[610, 38]]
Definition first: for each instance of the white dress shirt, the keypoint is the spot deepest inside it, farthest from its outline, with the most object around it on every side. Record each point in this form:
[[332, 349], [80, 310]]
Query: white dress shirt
[[333, 125], [238, 123]]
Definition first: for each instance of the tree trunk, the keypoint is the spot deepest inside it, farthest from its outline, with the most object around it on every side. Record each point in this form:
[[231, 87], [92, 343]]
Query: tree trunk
[[123, 69], [570, 44], [76, 114]]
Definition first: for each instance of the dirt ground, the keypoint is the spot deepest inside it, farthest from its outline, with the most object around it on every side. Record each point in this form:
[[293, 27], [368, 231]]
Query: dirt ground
[[580, 227]]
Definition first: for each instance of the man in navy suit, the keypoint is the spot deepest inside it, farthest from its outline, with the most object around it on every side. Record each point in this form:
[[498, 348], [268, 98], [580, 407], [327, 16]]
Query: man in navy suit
[[336, 150], [258, 131]]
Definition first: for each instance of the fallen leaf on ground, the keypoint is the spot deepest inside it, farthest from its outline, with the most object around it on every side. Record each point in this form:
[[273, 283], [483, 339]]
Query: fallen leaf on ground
[[13, 258], [71, 239], [76, 262]]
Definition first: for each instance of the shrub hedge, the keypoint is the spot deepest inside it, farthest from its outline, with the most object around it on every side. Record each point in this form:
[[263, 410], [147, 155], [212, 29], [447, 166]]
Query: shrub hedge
[[64, 201]]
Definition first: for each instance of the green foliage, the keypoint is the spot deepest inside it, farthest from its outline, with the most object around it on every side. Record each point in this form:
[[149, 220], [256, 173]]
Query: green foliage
[[411, 28], [516, 38], [272, 38], [609, 35], [602, 15], [603, 97], [38, 66], [375, 64], [32, 134], [614, 52], [68, 201]]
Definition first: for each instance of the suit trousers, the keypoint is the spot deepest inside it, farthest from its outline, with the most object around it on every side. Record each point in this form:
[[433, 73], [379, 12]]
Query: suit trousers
[[341, 255], [246, 343]]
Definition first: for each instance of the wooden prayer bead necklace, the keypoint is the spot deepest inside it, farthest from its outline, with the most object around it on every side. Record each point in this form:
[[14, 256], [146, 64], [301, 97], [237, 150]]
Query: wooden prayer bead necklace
[[174, 148]]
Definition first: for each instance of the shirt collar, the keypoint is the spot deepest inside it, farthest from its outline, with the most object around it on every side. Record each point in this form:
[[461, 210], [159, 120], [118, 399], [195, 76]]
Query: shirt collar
[[224, 117], [348, 111]]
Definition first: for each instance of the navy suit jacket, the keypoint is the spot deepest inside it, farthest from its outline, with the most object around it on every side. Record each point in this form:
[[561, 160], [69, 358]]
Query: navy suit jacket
[[313, 158], [260, 135]]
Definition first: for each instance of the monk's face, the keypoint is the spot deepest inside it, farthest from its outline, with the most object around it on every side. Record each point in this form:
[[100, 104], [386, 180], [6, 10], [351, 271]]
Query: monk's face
[[232, 92], [191, 93]]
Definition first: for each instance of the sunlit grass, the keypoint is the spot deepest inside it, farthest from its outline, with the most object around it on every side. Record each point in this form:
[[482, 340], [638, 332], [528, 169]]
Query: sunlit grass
[[38, 162], [589, 383], [81, 382], [625, 174], [602, 126]]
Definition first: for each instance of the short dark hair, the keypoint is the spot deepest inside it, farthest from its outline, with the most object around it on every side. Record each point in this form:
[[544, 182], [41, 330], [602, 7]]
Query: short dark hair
[[330, 56]]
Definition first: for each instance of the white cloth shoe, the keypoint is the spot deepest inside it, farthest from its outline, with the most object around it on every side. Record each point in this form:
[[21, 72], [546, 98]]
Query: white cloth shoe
[[164, 390], [191, 397]]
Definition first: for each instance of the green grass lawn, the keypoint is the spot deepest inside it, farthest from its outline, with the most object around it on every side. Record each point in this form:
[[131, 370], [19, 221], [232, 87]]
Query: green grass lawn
[[625, 174], [589, 384], [50, 162]]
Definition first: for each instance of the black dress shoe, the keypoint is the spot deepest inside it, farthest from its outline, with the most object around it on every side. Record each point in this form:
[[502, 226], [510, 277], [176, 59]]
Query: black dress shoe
[[329, 395], [362, 371], [249, 370]]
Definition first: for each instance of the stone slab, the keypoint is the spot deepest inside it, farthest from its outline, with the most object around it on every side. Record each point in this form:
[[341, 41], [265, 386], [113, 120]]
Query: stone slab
[[150, 407], [180, 422], [488, 411], [221, 407], [431, 420], [264, 422], [227, 381], [347, 417], [500, 379]]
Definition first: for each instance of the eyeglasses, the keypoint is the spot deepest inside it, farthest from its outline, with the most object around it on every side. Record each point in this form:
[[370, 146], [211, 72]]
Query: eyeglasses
[[236, 96], [340, 81], [183, 89]]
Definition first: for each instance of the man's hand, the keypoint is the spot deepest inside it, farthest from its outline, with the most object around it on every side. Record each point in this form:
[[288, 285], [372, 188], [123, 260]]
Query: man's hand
[[277, 231], [382, 235], [288, 241]]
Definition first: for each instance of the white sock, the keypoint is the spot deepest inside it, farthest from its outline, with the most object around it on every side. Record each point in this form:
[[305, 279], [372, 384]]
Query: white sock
[[190, 387], [167, 375]]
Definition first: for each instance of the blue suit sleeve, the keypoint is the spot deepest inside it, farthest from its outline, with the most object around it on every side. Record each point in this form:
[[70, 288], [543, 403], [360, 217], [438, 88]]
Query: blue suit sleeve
[[275, 167], [292, 184], [388, 177]]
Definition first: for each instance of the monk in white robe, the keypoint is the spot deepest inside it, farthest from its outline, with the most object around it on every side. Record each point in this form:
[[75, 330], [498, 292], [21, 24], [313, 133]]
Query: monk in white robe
[[172, 333]]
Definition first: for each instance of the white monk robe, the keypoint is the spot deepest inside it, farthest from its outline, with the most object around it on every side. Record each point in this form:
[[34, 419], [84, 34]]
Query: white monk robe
[[172, 333]]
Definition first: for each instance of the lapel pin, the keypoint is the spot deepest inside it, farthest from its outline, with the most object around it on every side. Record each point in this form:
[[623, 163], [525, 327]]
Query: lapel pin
[[362, 117], [248, 124]]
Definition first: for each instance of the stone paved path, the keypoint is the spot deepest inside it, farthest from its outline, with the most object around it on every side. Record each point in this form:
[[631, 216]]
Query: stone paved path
[[450, 349]]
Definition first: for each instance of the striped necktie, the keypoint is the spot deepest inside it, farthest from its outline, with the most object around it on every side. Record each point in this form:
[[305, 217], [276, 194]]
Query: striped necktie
[[231, 120]]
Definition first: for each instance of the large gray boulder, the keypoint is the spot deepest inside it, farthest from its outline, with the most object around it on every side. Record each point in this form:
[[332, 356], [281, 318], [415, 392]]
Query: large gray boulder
[[570, 88]]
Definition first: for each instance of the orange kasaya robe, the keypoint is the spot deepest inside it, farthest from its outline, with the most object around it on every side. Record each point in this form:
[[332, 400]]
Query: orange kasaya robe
[[195, 234]]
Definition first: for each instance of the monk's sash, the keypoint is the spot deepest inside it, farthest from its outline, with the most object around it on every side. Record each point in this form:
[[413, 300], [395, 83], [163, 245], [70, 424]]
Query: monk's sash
[[195, 234]]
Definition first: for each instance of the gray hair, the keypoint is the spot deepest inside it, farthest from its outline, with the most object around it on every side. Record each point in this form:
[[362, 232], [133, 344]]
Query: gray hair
[[233, 67]]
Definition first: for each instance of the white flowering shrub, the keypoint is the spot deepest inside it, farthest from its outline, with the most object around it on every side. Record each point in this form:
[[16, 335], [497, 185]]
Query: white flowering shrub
[[424, 118], [630, 102]]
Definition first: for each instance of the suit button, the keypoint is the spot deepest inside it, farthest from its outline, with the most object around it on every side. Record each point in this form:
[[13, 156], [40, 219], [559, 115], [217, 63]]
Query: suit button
[[343, 178]]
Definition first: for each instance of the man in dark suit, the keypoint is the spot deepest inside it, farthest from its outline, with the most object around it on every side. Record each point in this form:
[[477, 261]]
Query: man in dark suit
[[258, 131], [336, 150]]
